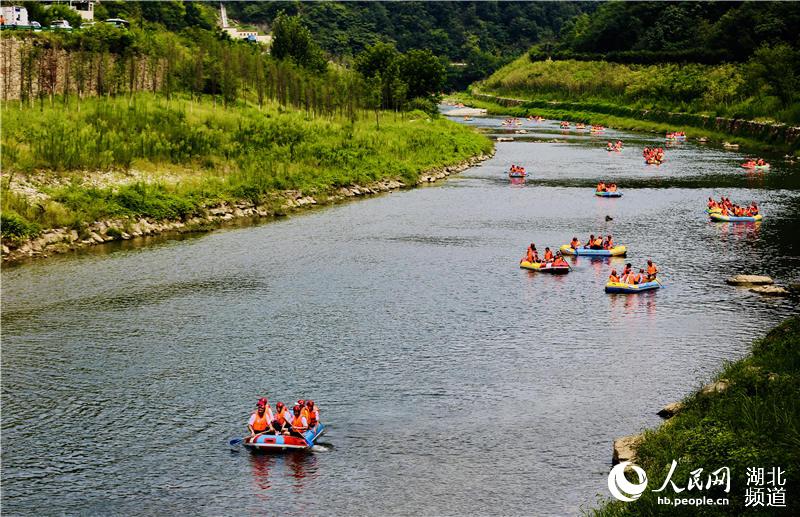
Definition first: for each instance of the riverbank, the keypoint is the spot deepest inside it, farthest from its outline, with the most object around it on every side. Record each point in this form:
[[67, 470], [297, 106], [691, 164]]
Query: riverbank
[[644, 120], [209, 218], [108, 169], [749, 417]]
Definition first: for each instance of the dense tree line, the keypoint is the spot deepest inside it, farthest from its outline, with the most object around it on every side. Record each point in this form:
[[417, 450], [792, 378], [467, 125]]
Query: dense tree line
[[483, 35], [676, 31]]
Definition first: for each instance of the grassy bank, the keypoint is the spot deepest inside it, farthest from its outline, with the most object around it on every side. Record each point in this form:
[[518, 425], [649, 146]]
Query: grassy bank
[[754, 423], [583, 112], [724, 90], [145, 156]]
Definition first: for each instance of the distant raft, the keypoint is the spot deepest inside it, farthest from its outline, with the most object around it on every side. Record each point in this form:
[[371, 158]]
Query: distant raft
[[616, 251], [716, 216], [605, 193], [623, 288], [545, 267]]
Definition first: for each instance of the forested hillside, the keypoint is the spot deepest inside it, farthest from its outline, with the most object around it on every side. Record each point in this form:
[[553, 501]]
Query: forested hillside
[[731, 59], [484, 35]]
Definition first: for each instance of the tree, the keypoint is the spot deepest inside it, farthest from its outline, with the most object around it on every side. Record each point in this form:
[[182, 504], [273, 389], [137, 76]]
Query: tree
[[423, 72], [292, 40], [382, 60], [777, 68]]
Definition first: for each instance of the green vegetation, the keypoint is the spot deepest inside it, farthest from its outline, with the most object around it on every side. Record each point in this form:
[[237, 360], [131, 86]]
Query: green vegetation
[[483, 35], [648, 32], [754, 423], [728, 90], [205, 154]]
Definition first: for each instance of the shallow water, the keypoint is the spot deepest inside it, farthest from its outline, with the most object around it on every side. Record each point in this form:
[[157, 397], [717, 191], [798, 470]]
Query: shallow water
[[454, 382]]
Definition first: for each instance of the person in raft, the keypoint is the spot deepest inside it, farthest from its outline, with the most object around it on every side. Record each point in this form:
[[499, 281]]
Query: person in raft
[[261, 420], [548, 256], [625, 272], [601, 187], [652, 270], [608, 243], [575, 243], [299, 424], [559, 261], [612, 187], [531, 255], [613, 277], [595, 243], [281, 422]]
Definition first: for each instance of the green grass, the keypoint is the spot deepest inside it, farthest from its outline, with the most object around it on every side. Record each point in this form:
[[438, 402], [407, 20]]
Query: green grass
[[755, 423], [723, 90], [207, 154]]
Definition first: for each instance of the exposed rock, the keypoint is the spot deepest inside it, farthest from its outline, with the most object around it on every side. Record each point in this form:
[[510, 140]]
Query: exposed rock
[[96, 238], [771, 290], [505, 139], [715, 387], [749, 280], [670, 410], [625, 448], [772, 377], [6, 251]]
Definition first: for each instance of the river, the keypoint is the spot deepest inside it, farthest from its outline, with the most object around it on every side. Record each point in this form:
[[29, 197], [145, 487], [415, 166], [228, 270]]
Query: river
[[453, 382]]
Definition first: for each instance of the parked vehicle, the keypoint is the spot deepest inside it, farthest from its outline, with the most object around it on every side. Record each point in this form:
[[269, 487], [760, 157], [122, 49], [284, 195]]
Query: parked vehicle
[[60, 24], [119, 23]]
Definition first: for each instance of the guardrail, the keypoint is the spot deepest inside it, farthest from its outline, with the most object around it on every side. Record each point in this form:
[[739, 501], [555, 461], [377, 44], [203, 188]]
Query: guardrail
[[36, 29]]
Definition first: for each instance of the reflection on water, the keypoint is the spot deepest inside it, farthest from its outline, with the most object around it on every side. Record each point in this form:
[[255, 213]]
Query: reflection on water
[[404, 316]]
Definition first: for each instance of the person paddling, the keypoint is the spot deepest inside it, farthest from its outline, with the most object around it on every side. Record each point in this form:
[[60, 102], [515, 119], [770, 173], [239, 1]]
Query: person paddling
[[559, 261], [299, 423], [652, 270], [281, 422], [260, 420]]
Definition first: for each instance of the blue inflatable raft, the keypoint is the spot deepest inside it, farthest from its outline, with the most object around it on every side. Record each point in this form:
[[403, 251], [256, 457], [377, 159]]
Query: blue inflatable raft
[[279, 442], [616, 251], [608, 194], [622, 288]]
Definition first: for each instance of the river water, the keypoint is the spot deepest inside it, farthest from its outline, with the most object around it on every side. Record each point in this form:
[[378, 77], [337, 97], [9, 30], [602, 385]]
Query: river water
[[453, 382]]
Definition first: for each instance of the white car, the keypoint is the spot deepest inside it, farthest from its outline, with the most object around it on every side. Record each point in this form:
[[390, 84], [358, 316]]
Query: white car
[[60, 24]]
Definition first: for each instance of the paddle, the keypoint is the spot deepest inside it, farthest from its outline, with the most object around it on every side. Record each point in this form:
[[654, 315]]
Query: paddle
[[235, 442]]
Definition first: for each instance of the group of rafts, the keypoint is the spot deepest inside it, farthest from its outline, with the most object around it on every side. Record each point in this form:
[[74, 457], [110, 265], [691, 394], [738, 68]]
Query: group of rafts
[[293, 430], [630, 281], [626, 283]]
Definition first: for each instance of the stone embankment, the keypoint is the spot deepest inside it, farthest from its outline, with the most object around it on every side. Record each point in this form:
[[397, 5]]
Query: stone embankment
[[62, 240]]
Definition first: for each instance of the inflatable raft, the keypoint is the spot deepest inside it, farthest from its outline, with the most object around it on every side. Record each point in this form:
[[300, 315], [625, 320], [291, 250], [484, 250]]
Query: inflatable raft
[[622, 288], [756, 167], [607, 194], [278, 443], [517, 174], [544, 268], [616, 251], [714, 210], [715, 216]]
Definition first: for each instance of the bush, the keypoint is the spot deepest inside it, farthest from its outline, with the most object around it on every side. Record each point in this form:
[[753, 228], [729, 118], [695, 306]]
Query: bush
[[15, 226]]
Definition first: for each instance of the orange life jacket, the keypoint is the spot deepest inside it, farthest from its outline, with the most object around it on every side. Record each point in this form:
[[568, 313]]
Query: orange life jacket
[[575, 243], [598, 242], [261, 422], [548, 256], [529, 256], [297, 422], [312, 418], [651, 270], [280, 416], [613, 278], [634, 278]]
